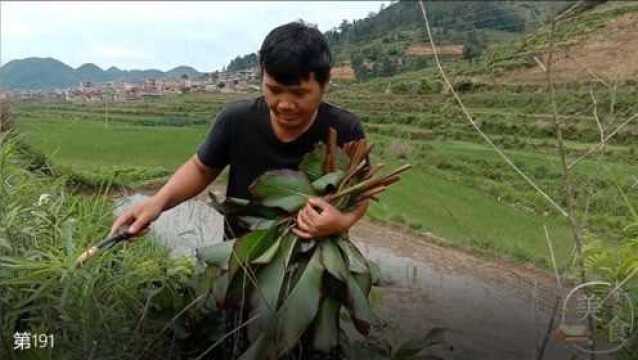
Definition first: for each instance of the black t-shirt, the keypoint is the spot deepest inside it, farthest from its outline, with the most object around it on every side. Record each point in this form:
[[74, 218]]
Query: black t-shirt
[[243, 138]]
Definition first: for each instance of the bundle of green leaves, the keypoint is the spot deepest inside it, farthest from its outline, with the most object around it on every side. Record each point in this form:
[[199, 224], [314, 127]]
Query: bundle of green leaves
[[286, 286]]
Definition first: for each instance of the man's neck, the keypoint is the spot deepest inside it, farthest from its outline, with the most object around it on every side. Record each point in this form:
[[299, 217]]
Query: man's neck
[[288, 135]]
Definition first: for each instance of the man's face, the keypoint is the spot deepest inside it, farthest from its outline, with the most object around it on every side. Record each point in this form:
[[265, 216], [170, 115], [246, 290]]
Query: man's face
[[292, 106]]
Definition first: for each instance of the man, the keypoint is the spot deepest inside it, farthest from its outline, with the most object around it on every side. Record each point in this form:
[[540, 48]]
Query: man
[[271, 132]]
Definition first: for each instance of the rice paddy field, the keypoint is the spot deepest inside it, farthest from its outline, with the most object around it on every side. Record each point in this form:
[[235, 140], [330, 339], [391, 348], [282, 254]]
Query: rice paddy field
[[459, 190]]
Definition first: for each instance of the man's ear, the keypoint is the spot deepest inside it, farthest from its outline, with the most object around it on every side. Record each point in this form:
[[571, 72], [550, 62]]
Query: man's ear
[[326, 86]]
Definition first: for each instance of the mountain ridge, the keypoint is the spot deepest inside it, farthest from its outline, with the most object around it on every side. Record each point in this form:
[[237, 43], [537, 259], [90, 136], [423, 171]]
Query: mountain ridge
[[49, 73]]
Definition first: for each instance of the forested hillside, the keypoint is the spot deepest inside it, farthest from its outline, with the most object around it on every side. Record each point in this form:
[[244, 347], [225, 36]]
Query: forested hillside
[[392, 39]]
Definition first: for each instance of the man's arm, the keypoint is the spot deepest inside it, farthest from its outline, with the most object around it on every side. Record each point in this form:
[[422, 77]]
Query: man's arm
[[189, 180]]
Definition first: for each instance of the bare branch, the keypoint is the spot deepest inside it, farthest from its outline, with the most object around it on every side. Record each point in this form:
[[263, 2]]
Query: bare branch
[[607, 138], [569, 186], [552, 257], [540, 64], [475, 125], [550, 327], [597, 118]]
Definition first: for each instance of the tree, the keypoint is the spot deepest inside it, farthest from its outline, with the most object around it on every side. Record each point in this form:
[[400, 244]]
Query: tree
[[344, 26], [356, 61], [387, 68], [472, 47], [243, 62]]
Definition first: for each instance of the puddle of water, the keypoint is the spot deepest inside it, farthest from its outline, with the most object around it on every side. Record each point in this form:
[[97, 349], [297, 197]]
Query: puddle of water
[[184, 228]]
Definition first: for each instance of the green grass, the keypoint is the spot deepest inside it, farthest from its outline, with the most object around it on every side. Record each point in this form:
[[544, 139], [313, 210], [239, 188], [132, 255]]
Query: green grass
[[469, 218], [87, 145], [116, 306]]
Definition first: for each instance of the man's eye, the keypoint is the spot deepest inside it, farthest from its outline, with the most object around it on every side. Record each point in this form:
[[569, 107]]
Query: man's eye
[[275, 91]]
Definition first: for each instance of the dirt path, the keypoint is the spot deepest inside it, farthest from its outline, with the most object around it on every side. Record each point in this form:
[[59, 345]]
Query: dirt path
[[493, 309]]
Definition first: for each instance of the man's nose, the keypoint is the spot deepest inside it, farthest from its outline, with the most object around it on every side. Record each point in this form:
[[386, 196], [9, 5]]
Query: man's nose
[[285, 105]]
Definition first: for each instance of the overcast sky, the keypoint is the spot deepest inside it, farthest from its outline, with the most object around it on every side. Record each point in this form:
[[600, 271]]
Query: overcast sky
[[160, 35]]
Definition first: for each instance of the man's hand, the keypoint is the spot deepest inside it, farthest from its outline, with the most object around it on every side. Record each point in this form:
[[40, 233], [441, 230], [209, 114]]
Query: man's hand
[[189, 180], [319, 218], [138, 217]]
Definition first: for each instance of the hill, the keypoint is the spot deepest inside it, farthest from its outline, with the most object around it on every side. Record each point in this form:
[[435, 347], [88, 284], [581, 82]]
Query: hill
[[391, 40], [599, 41], [33, 73], [181, 71], [48, 73]]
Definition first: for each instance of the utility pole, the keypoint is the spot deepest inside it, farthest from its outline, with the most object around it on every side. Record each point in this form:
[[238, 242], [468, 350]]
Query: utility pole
[[106, 95], [106, 113]]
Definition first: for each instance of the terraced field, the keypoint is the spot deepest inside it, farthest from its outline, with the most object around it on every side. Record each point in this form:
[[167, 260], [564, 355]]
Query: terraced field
[[460, 189]]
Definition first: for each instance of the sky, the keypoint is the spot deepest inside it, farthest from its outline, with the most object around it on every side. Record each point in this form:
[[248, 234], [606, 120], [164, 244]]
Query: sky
[[158, 35]]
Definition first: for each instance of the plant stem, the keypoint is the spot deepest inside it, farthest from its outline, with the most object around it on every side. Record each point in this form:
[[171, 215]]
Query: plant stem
[[567, 181]]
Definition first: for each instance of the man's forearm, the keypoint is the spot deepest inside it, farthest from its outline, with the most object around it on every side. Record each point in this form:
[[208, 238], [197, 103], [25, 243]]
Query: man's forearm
[[189, 180]]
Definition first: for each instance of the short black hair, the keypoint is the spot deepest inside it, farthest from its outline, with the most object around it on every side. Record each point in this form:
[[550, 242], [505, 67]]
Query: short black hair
[[292, 51]]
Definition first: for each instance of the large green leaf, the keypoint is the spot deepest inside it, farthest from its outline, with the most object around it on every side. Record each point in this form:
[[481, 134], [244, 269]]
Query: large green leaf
[[326, 332], [358, 283], [284, 189], [216, 255], [356, 262], [312, 162], [270, 278], [230, 206], [333, 260], [293, 318], [249, 247], [245, 249], [301, 306], [375, 272], [262, 349], [256, 223], [267, 256], [358, 306], [330, 180], [244, 208], [364, 280]]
